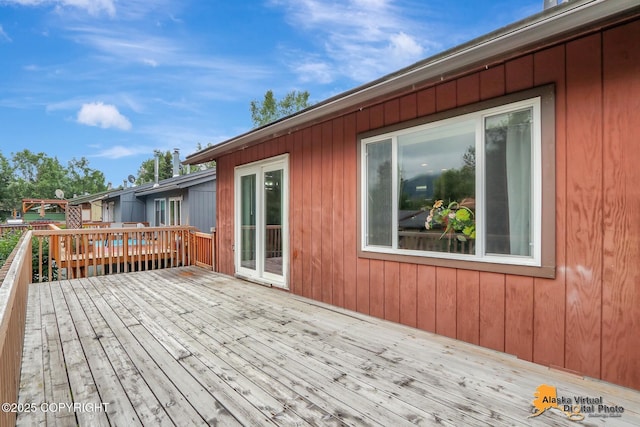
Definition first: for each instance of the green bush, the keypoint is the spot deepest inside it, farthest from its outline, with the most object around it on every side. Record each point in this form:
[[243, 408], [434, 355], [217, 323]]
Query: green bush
[[8, 241]]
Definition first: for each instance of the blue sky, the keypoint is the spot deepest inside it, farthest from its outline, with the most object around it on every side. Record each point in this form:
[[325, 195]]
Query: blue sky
[[112, 80]]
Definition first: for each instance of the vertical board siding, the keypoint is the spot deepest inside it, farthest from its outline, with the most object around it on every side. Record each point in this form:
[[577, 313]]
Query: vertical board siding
[[316, 213], [426, 300], [408, 107], [392, 291], [446, 303], [446, 96], [408, 286], [326, 221], [518, 317], [492, 310], [376, 288], [350, 214], [468, 90], [519, 74], [492, 82], [295, 218], [468, 306], [426, 100], [305, 177], [621, 240], [584, 205], [586, 318], [336, 245], [549, 294]]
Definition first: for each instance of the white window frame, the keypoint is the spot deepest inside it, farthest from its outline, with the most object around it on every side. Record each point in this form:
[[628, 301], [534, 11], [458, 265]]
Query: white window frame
[[177, 201], [480, 256], [155, 212]]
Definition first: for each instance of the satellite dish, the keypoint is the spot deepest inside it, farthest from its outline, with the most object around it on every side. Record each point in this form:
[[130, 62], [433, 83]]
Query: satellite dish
[[59, 194], [131, 179]]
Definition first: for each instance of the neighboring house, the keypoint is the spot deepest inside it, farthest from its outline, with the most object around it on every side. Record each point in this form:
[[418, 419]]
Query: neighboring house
[[122, 205], [545, 115], [182, 200], [91, 205]]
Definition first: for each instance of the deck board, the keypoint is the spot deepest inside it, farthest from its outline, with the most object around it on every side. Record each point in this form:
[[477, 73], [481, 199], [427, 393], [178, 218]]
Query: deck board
[[187, 346]]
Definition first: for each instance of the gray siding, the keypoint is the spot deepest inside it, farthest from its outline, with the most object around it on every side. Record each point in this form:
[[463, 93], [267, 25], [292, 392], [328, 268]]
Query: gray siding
[[130, 209], [202, 206]]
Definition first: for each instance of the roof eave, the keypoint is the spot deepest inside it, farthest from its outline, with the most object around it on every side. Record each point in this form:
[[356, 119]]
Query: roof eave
[[549, 24]]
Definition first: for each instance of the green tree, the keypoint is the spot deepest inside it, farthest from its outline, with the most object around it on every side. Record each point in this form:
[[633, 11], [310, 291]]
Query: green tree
[[207, 165], [454, 185], [36, 175], [270, 109], [146, 172], [6, 178], [83, 179]]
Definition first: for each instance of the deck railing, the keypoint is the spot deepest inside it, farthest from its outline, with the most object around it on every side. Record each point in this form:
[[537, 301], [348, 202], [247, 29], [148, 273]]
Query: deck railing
[[204, 249], [434, 241], [66, 254], [273, 241], [13, 303], [59, 254]]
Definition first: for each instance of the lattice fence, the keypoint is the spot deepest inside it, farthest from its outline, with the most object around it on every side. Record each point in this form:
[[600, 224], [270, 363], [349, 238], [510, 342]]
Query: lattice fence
[[74, 217]]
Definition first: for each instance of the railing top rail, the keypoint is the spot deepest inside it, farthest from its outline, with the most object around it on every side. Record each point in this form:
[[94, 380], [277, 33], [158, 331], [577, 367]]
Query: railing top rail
[[8, 286], [75, 231], [201, 234]]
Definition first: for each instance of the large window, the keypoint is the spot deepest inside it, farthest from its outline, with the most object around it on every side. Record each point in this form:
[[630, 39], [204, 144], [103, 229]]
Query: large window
[[467, 187]]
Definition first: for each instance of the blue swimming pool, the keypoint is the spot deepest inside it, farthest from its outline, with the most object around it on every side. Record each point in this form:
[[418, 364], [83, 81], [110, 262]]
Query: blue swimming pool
[[118, 243]]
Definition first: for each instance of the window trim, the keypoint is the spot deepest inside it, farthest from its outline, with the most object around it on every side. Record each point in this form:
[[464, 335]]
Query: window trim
[[176, 201], [545, 162], [163, 221]]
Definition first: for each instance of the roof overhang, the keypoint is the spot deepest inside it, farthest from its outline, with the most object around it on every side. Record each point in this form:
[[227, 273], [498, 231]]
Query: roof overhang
[[538, 30], [184, 181]]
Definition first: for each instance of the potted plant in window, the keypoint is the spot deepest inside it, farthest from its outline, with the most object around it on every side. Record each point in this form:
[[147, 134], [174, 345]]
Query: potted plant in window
[[456, 218]]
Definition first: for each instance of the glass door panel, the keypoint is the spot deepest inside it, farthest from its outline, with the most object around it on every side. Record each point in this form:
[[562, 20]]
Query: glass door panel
[[273, 221], [248, 221]]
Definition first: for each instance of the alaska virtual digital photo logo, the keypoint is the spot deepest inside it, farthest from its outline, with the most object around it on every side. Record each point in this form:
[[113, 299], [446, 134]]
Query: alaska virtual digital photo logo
[[576, 408]]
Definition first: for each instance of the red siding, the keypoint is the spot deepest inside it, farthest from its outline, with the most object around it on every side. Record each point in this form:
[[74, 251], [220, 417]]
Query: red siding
[[492, 309], [586, 319], [549, 295], [584, 202], [621, 203], [408, 287], [337, 213], [326, 219], [350, 215]]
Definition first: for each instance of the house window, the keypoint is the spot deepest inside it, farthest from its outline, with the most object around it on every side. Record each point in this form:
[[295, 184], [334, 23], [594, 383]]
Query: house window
[[463, 190], [175, 211], [160, 212]]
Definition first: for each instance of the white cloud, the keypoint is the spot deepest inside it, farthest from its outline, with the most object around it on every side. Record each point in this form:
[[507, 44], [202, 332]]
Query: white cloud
[[404, 46], [150, 62], [93, 7], [314, 71], [105, 116], [361, 39], [4, 36], [119, 151]]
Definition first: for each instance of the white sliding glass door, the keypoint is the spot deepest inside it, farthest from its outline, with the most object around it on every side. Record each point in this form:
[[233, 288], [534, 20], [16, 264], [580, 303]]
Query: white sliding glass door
[[261, 207]]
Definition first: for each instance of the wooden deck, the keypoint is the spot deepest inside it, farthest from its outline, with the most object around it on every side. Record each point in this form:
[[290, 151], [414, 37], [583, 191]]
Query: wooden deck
[[189, 347]]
